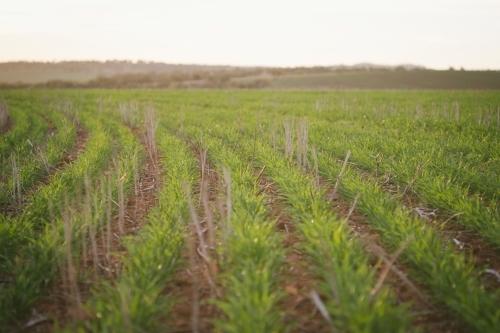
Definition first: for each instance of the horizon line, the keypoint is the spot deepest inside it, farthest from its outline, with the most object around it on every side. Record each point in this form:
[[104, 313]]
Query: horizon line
[[138, 61]]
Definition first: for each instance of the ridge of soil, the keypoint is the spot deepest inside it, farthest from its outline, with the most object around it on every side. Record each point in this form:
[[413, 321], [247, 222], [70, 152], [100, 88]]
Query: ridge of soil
[[194, 282], [59, 308]]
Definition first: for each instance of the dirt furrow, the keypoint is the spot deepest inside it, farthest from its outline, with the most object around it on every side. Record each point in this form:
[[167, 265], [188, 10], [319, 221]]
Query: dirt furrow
[[110, 249], [6, 125]]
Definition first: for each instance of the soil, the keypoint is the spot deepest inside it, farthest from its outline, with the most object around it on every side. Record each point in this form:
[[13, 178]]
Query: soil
[[6, 126]]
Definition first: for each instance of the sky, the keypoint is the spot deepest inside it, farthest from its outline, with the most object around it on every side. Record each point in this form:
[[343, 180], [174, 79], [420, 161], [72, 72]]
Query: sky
[[432, 33]]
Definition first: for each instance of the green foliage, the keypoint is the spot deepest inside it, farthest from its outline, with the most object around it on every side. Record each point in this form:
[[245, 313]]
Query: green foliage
[[39, 248], [135, 301], [449, 275], [250, 250], [438, 147], [347, 279]]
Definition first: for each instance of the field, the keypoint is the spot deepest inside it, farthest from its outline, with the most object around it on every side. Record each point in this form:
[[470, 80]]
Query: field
[[249, 211], [416, 79]]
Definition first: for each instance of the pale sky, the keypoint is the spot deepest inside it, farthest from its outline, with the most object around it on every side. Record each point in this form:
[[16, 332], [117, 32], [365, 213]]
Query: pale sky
[[433, 33]]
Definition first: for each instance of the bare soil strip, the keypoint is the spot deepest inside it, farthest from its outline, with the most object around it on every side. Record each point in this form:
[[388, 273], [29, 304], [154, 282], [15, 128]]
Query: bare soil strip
[[300, 312], [195, 282], [432, 317], [6, 126], [59, 308]]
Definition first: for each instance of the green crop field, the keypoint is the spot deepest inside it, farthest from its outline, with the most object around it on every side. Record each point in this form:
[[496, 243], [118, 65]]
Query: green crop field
[[249, 211]]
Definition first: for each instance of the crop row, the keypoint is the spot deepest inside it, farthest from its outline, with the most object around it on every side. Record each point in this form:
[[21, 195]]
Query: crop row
[[451, 276], [31, 149], [248, 249], [460, 287], [60, 218], [424, 172], [441, 155], [349, 279], [134, 301]]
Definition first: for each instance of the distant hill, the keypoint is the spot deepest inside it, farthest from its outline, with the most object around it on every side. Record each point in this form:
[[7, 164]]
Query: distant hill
[[148, 75], [82, 71]]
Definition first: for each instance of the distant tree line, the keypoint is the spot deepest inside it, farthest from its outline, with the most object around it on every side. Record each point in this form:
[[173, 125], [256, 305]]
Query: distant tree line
[[233, 78], [105, 67]]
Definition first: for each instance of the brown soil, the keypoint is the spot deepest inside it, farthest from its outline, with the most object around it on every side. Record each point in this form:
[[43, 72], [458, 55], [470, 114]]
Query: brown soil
[[60, 307], [301, 315], [6, 126], [195, 282], [433, 318]]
